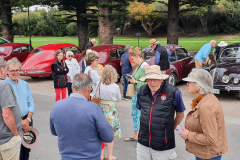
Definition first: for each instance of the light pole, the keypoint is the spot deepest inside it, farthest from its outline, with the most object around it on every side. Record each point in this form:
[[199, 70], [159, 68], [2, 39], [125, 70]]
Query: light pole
[[30, 42], [118, 29]]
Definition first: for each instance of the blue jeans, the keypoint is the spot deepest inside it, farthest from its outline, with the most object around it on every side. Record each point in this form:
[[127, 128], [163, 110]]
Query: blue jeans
[[215, 158], [125, 81]]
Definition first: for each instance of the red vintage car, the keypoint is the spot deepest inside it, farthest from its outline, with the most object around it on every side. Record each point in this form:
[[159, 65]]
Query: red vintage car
[[108, 54], [181, 63], [18, 50], [39, 61]]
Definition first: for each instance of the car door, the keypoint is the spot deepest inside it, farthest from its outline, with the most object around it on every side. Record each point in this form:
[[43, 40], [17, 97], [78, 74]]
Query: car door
[[114, 59], [25, 52], [17, 53], [184, 62]]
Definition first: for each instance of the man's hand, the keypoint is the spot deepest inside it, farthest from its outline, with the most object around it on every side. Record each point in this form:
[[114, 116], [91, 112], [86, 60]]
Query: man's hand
[[65, 69], [58, 69], [25, 125], [184, 133]]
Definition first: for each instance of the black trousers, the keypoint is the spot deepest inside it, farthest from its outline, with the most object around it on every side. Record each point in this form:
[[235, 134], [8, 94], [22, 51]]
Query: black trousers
[[24, 152], [69, 87]]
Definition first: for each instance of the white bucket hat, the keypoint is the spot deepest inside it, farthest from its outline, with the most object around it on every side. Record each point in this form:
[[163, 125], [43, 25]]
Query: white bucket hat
[[222, 44], [153, 72]]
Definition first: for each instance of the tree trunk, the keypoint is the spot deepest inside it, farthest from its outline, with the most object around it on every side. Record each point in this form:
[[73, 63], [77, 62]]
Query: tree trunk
[[105, 24], [82, 25], [6, 17], [172, 30]]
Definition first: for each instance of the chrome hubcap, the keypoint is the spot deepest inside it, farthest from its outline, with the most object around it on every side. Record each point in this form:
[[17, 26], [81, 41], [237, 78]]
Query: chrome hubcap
[[171, 80]]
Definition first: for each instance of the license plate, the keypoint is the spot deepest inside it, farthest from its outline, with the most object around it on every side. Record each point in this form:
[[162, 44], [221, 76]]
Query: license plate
[[216, 91]]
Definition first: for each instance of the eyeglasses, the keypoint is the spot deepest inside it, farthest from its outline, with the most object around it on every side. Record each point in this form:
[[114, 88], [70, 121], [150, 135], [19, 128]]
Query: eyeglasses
[[15, 71], [70, 56]]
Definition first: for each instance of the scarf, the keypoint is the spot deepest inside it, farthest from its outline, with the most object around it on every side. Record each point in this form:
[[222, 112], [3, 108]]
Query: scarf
[[197, 100]]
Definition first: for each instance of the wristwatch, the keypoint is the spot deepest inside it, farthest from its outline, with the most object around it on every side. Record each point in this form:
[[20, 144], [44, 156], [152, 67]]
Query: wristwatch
[[29, 120]]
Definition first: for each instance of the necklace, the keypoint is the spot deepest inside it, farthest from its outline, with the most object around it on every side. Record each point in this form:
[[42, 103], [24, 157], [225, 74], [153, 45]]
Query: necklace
[[197, 100]]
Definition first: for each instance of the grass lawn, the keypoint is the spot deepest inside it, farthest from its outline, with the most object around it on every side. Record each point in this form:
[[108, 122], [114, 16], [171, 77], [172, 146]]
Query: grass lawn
[[133, 41]]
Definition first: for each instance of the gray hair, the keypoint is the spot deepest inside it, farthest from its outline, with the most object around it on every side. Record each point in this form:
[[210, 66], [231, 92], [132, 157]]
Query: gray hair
[[14, 61], [213, 41], [81, 82], [204, 80], [93, 40], [2, 62], [68, 53], [58, 52]]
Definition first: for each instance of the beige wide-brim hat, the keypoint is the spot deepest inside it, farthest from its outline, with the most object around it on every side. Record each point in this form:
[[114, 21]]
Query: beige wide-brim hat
[[30, 139], [152, 42], [222, 44], [153, 72]]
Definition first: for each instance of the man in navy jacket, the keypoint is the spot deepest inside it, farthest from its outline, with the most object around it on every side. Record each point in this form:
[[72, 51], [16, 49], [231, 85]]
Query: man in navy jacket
[[80, 125]]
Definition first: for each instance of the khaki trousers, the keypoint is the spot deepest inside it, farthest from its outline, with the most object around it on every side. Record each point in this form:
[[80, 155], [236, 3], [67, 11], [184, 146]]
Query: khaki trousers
[[198, 64], [11, 149], [147, 153], [163, 72]]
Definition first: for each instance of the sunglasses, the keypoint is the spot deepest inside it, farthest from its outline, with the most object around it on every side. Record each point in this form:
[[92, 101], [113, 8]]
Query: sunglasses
[[70, 56]]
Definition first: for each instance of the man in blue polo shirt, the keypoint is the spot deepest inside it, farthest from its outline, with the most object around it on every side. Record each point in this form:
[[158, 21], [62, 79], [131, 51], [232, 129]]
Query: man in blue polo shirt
[[158, 102], [126, 62], [201, 56]]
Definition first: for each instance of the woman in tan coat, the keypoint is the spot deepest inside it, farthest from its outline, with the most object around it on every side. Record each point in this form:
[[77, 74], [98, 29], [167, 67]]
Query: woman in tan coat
[[204, 132]]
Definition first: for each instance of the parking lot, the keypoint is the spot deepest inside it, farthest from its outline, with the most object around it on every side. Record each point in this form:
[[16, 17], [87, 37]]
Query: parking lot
[[44, 96]]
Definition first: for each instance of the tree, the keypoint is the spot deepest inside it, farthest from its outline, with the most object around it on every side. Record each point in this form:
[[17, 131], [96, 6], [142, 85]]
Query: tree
[[105, 29], [146, 14], [173, 15], [6, 18], [77, 12]]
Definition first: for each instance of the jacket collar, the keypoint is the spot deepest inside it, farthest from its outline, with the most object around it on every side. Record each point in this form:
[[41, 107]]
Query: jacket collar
[[206, 97]]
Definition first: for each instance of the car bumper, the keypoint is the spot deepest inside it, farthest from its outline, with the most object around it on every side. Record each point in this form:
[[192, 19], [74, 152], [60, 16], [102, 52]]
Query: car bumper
[[228, 88], [35, 73]]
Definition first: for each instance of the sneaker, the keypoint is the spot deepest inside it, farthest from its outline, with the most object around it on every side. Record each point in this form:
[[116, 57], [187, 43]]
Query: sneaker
[[127, 98]]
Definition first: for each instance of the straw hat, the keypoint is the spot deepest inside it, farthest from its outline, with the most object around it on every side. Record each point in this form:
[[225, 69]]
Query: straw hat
[[222, 44], [153, 72], [153, 41]]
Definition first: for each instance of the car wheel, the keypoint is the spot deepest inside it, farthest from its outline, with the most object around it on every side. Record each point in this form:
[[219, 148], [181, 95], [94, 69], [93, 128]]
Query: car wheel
[[34, 77], [172, 79]]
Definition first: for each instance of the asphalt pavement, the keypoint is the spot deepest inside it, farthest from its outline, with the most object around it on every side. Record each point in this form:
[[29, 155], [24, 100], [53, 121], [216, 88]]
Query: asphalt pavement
[[48, 147]]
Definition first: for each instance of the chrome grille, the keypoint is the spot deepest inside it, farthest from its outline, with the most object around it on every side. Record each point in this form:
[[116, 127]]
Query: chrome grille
[[215, 77]]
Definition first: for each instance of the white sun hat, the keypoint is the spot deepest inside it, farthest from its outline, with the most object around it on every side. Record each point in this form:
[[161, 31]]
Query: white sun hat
[[222, 44]]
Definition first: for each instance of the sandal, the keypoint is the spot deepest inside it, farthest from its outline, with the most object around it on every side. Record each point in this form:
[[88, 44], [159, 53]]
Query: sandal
[[104, 158], [112, 158], [130, 139]]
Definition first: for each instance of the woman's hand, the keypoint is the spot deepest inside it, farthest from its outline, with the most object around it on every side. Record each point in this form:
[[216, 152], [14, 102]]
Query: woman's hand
[[184, 133], [133, 81]]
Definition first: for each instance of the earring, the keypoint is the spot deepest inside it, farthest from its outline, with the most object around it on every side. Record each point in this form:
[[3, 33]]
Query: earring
[[196, 91]]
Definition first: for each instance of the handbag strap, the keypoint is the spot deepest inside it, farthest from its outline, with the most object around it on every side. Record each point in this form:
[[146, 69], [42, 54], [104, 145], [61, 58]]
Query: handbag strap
[[98, 89]]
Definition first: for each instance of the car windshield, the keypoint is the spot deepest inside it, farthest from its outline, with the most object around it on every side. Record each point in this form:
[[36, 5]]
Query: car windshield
[[231, 53], [7, 50], [37, 51]]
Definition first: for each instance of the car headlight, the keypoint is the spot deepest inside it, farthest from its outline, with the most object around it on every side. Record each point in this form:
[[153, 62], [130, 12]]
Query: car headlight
[[225, 79], [236, 80]]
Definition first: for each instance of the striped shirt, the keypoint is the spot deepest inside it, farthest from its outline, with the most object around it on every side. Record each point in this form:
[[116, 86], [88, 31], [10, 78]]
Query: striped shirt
[[110, 92], [95, 78]]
